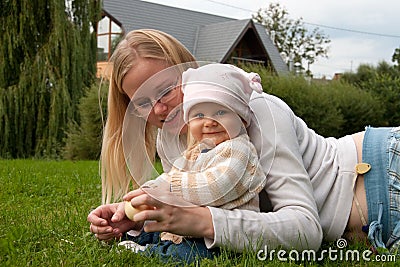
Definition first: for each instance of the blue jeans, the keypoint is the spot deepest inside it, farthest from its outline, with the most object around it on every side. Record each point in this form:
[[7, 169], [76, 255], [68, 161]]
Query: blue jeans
[[381, 149], [190, 250]]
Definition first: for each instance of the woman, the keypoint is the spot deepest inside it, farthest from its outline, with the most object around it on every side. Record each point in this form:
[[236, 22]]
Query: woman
[[310, 179]]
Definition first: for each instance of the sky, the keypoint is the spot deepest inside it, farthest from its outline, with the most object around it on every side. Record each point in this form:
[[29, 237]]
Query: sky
[[361, 31]]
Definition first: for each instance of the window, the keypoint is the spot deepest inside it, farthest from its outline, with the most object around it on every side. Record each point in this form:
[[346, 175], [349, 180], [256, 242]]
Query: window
[[108, 36]]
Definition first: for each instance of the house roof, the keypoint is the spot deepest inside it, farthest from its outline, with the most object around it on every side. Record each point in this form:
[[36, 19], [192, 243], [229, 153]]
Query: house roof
[[215, 40], [208, 37], [272, 50]]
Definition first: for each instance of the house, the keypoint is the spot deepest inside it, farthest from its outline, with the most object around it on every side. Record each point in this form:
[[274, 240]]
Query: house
[[208, 37]]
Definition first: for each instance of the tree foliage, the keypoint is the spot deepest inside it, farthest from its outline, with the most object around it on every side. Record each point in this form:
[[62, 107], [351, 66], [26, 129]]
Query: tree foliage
[[47, 58], [293, 40], [396, 58]]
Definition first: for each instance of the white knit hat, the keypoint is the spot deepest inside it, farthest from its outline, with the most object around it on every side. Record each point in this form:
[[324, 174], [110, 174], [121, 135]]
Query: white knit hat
[[220, 83]]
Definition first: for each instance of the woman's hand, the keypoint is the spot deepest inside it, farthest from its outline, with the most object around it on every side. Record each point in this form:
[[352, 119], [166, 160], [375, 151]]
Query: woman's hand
[[109, 222], [171, 213]]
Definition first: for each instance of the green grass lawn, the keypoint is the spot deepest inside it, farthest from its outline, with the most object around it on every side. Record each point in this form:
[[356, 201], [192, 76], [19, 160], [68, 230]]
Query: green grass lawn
[[43, 210]]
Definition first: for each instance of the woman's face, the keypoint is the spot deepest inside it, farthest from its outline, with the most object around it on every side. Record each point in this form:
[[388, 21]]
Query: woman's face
[[159, 99]]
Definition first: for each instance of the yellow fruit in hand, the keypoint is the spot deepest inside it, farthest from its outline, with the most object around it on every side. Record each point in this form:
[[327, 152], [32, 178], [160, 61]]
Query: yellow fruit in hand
[[130, 211]]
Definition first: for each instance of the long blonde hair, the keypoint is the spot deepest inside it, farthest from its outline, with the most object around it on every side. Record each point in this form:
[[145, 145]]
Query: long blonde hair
[[145, 43]]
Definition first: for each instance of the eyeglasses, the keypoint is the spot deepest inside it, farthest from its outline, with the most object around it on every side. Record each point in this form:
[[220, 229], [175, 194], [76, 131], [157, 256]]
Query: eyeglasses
[[143, 106]]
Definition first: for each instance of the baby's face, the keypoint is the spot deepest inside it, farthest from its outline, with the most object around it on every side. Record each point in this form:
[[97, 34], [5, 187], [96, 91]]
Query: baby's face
[[214, 122]]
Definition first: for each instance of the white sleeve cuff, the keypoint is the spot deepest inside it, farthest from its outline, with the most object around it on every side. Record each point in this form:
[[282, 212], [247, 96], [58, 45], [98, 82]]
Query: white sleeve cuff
[[215, 213]]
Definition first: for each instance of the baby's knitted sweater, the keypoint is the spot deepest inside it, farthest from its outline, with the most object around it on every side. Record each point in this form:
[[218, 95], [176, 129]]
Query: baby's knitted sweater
[[228, 176]]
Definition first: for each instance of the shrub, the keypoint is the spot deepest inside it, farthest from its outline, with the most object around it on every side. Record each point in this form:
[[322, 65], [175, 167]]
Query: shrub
[[84, 138], [358, 108], [383, 83], [330, 108], [386, 89], [311, 102]]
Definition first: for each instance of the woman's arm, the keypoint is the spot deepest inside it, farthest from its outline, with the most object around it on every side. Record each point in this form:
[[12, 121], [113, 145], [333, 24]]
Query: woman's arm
[[294, 221], [240, 229]]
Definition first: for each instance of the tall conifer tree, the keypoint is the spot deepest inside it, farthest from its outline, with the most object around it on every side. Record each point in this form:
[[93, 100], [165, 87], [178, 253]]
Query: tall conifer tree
[[47, 59]]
